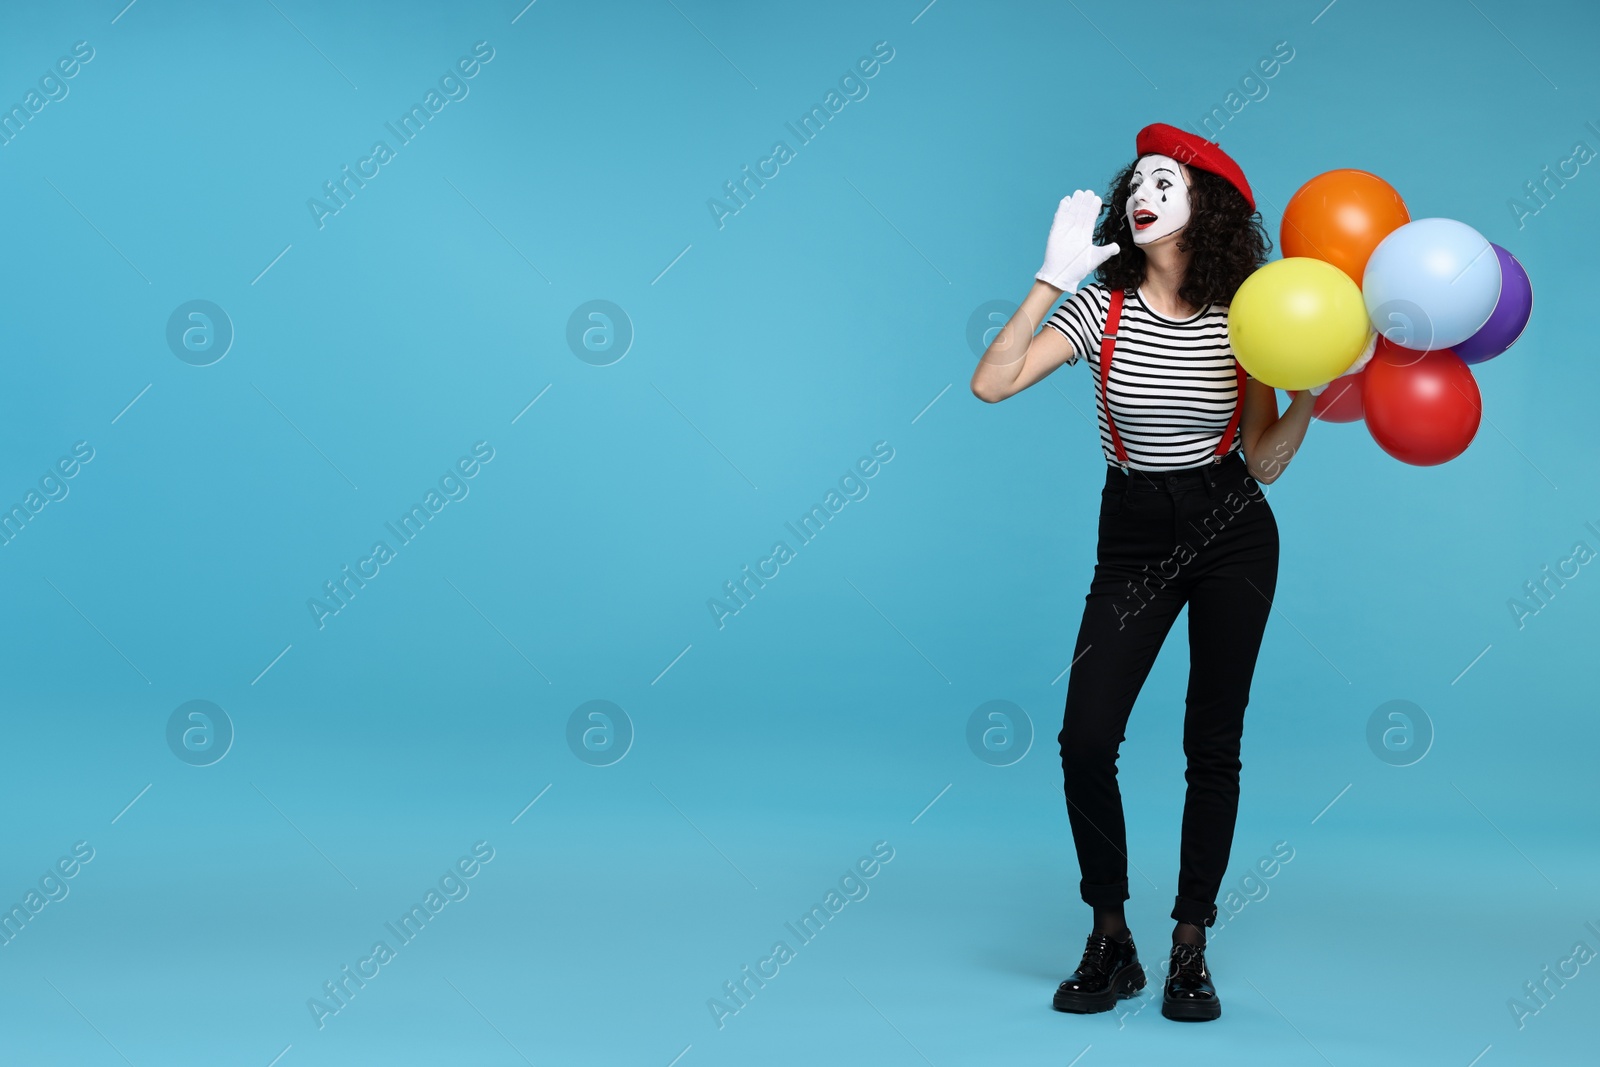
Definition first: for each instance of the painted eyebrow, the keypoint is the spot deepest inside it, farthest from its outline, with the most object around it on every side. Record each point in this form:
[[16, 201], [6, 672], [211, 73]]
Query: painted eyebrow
[[1159, 170]]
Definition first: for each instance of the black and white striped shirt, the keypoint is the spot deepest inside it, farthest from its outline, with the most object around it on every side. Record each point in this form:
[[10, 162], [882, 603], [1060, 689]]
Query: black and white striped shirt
[[1172, 382]]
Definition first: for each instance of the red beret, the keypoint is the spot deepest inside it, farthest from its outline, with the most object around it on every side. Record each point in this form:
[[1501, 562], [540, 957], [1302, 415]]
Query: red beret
[[1160, 139]]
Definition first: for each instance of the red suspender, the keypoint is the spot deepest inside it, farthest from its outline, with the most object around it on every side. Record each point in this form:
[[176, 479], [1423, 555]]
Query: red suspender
[[1108, 342], [1233, 423]]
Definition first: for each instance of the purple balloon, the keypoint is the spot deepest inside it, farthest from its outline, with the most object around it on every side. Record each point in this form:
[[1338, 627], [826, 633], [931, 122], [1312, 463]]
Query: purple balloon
[[1510, 313]]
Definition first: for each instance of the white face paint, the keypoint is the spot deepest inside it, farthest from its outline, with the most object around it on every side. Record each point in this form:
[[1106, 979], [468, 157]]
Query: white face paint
[[1158, 199]]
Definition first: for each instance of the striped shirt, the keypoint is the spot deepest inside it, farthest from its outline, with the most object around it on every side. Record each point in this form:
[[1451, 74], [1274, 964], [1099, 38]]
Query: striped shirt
[[1172, 382]]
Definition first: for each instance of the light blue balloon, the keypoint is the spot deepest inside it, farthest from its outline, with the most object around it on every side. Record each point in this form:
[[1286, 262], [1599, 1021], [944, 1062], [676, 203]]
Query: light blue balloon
[[1431, 284]]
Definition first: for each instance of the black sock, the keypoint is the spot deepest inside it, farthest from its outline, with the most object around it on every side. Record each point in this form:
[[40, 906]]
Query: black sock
[[1110, 921], [1189, 934]]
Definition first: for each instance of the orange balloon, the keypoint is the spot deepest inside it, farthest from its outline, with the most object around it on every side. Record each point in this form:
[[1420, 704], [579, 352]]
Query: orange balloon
[[1340, 217]]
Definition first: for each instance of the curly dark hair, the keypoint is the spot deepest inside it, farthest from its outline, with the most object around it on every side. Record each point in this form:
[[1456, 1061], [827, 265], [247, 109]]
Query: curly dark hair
[[1224, 237]]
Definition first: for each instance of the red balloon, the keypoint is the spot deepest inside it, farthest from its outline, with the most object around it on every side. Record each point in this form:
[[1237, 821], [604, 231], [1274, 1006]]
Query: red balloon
[[1422, 408], [1340, 401]]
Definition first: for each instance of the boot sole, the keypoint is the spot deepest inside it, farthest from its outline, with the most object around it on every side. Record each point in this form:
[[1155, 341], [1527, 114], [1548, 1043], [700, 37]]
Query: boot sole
[[1188, 1011], [1125, 983]]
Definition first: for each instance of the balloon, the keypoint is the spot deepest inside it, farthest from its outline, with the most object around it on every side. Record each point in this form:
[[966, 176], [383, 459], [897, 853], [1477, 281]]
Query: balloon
[[1422, 408], [1340, 217], [1340, 401], [1431, 284], [1298, 322], [1510, 313]]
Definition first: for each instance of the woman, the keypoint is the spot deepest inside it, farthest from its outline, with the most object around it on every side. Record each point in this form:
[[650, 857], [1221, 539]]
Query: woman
[[1187, 436]]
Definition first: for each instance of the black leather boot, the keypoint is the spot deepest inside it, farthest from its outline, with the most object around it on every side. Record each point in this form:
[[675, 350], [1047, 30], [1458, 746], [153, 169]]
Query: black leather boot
[[1110, 969], [1188, 995]]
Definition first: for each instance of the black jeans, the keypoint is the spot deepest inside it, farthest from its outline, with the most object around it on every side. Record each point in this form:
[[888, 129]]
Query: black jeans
[[1206, 537]]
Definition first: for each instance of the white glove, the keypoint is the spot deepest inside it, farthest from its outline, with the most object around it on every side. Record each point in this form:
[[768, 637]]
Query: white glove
[[1070, 255], [1355, 368], [1366, 355]]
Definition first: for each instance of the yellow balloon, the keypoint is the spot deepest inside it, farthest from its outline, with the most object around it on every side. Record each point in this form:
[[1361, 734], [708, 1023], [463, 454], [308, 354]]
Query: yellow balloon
[[1297, 322]]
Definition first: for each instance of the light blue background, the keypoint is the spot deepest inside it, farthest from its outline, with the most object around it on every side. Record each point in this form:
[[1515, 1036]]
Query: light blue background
[[826, 316]]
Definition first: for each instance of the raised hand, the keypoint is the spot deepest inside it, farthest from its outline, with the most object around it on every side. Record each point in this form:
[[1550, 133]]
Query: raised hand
[[1070, 255]]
